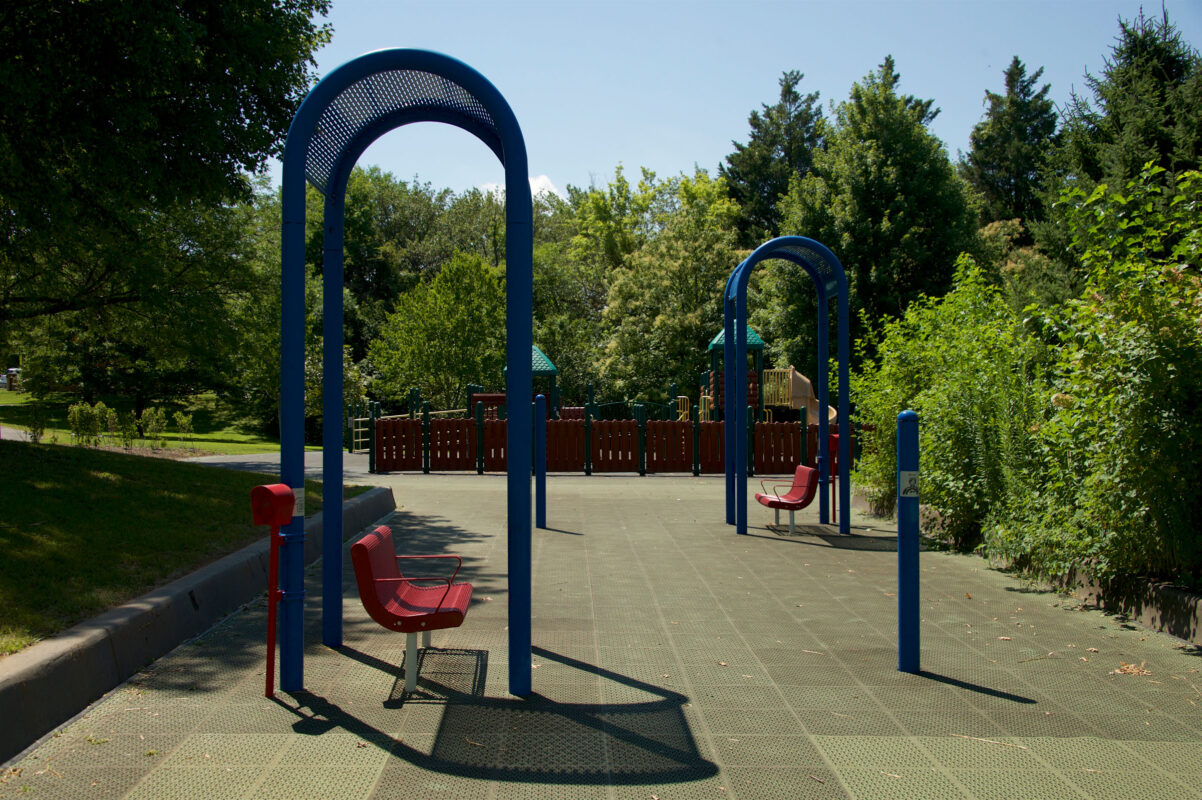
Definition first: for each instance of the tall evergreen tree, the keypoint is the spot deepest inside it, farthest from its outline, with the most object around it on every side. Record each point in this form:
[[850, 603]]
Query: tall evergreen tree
[[884, 197], [781, 145], [1009, 148], [1146, 106]]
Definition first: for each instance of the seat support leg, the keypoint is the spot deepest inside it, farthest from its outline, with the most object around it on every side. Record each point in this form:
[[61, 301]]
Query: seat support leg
[[426, 639], [791, 531], [411, 662], [777, 512]]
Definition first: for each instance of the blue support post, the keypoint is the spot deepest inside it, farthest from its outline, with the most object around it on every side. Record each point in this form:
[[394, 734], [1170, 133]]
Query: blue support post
[[292, 424], [738, 401], [324, 154], [519, 379], [728, 379], [907, 543], [540, 461], [825, 457], [331, 445]]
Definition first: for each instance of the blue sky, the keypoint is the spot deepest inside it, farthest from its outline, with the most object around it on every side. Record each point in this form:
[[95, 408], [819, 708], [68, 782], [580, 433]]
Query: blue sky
[[668, 84]]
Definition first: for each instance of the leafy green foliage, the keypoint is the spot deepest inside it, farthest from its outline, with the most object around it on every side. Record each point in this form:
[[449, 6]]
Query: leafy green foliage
[[976, 379], [779, 148], [664, 304], [1122, 444], [183, 424], [883, 196], [168, 340], [1146, 106], [152, 422], [444, 335], [85, 427], [119, 113], [1008, 149]]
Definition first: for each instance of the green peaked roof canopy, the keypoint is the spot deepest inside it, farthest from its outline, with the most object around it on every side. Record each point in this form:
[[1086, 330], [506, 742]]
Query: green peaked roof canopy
[[754, 342], [542, 365]]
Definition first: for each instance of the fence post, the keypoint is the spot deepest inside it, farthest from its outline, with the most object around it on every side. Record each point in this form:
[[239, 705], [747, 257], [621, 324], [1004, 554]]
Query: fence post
[[479, 438], [907, 543], [696, 417], [805, 437], [540, 461], [588, 436], [373, 410], [640, 417], [426, 437], [750, 441], [851, 430]]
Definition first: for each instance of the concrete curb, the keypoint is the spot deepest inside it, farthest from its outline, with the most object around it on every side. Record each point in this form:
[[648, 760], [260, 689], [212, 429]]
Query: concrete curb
[[48, 683], [1158, 606]]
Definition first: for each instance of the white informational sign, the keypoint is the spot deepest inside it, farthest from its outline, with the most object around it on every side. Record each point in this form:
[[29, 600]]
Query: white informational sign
[[298, 508], [907, 484]]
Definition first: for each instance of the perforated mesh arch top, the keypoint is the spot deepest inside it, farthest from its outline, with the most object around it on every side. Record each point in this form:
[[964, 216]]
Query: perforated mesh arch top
[[817, 261], [369, 100]]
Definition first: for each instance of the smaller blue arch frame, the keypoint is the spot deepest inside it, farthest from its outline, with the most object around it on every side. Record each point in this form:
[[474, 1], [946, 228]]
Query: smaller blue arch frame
[[824, 269], [341, 116]]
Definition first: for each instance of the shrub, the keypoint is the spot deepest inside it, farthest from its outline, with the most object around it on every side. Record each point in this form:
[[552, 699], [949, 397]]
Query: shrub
[[153, 422], [127, 429], [37, 422], [974, 376], [183, 424], [83, 423], [110, 423], [1122, 445]]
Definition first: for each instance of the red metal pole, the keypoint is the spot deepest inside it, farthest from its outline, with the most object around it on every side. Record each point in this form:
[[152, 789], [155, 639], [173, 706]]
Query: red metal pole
[[273, 597]]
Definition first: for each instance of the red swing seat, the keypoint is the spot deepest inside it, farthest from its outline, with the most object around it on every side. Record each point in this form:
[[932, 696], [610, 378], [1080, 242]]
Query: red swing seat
[[800, 494], [400, 603]]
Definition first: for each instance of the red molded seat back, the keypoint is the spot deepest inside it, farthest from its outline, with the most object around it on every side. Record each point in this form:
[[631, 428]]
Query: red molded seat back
[[805, 485], [374, 557]]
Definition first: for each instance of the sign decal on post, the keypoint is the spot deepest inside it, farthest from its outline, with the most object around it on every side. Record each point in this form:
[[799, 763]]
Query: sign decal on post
[[298, 508], [908, 483]]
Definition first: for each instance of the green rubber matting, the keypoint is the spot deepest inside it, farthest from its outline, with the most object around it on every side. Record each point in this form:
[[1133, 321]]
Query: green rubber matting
[[673, 659]]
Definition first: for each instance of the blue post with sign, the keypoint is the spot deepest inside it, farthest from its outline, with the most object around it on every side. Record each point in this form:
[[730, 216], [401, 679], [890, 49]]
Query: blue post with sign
[[907, 543], [540, 461]]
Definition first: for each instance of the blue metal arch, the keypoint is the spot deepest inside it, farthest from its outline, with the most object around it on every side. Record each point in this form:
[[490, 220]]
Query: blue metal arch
[[343, 114], [824, 269]]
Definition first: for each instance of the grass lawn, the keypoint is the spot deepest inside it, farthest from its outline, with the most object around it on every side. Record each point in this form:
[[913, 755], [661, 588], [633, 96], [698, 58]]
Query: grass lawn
[[82, 530], [215, 428]]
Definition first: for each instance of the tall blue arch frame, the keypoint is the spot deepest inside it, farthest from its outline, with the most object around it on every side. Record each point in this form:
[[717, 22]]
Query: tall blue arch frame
[[830, 282], [340, 118]]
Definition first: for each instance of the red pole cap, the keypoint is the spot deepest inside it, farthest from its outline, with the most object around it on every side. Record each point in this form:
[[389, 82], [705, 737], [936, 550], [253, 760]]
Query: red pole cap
[[272, 504]]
